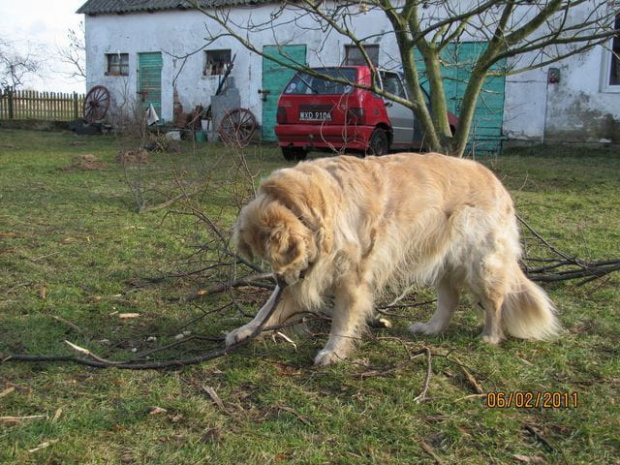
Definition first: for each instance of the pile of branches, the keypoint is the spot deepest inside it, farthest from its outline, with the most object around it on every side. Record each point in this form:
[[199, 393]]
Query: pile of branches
[[561, 266]]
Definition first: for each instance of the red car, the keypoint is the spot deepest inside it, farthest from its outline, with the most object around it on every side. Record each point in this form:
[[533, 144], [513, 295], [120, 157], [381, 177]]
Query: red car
[[318, 114]]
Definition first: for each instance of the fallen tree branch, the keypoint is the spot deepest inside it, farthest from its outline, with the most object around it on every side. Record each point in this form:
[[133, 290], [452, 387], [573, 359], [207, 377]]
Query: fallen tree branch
[[254, 281], [573, 269]]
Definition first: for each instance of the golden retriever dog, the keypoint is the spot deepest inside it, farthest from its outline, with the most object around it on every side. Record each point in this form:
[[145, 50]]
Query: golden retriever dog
[[347, 229]]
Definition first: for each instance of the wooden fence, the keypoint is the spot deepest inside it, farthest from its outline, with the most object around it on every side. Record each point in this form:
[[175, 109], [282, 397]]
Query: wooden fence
[[41, 106]]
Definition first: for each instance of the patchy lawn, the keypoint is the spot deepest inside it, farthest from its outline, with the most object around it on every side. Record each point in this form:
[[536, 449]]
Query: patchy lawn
[[79, 263]]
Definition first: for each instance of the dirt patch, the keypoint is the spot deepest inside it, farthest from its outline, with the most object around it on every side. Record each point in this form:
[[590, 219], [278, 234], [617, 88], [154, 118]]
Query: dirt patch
[[86, 162], [133, 157]]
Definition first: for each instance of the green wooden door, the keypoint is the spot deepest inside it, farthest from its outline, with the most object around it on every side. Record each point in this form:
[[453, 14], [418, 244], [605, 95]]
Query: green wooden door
[[149, 80], [486, 130], [275, 78]]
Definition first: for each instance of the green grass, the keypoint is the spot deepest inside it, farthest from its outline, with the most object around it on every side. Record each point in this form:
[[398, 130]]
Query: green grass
[[74, 253]]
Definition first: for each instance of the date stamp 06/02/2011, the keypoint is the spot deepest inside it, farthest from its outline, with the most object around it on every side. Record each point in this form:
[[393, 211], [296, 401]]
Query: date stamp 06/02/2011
[[532, 399]]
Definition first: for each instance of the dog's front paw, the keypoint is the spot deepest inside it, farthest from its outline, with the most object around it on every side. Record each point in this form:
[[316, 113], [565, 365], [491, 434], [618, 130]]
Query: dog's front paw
[[327, 357], [238, 335], [491, 339]]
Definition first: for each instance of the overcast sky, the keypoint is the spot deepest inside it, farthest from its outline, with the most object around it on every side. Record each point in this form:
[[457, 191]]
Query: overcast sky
[[42, 24]]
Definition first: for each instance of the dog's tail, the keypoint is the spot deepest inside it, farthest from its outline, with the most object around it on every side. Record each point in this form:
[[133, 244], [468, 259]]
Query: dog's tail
[[527, 312]]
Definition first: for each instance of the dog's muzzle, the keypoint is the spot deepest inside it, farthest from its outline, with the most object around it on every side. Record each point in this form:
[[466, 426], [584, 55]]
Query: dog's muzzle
[[280, 281], [290, 279]]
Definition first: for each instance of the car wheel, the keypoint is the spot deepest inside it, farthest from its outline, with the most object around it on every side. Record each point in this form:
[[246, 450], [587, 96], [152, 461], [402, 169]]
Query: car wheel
[[378, 144], [294, 153]]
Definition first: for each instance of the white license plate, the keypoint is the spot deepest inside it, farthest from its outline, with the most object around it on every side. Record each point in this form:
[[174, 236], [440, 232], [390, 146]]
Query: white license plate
[[315, 116]]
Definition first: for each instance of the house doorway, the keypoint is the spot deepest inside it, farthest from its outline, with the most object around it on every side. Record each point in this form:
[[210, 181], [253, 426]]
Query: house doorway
[[275, 78], [149, 80]]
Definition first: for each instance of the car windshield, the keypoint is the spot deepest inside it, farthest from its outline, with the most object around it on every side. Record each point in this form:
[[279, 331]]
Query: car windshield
[[305, 84]]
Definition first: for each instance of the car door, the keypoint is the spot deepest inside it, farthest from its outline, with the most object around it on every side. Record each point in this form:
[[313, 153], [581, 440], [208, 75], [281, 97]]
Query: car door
[[401, 117]]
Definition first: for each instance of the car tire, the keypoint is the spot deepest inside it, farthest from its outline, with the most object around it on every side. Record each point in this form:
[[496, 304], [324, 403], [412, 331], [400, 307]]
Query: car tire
[[294, 153], [379, 143]]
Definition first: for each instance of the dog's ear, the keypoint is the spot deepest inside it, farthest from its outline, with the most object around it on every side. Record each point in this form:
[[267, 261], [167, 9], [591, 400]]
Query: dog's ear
[[245, 250], [242, 247], [285, 247]]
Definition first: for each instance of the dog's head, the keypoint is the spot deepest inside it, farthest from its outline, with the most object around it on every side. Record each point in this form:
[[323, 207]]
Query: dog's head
[[268, 230]]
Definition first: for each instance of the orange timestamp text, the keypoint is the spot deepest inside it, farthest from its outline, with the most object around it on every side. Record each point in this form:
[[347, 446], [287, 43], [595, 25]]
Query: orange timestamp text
[[532, 399]]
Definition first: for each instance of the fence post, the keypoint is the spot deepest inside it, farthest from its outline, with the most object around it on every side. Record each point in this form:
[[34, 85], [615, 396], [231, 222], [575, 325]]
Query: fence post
[[10, 92], [75, 105]]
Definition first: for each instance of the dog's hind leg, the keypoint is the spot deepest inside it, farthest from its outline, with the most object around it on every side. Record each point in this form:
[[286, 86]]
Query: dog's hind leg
[[353, 304], [448, 293], [492, 332], [285, 308], [491, 287]]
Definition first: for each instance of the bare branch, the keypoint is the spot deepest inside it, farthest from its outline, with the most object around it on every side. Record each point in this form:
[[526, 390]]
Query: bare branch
[[74, 54], [16, 65]]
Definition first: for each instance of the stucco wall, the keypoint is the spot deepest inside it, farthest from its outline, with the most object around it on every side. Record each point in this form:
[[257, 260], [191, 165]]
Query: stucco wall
[[579, 108]]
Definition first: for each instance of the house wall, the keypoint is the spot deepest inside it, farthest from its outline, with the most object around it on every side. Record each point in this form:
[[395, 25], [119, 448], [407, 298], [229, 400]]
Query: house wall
[[576, 109], [181, 37], [579, 108]]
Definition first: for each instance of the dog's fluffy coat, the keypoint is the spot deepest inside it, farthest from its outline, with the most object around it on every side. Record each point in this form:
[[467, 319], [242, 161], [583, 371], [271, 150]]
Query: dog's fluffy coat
[[349, 228]]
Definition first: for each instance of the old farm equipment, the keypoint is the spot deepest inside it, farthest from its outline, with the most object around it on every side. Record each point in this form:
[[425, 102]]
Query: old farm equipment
[[233, 124], [237, 127], [96, 105]]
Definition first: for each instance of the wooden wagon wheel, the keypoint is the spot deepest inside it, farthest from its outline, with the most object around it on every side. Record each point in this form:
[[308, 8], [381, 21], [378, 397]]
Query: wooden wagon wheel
[[237, 127], [96, 104]]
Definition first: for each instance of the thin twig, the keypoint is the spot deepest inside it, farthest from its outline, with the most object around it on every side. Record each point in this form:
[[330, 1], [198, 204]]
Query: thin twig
[[214, 397], [88, 353], [430, 451], [146, 209], [429, 371], [530, 429], [253, 281], [17, 420], [71, 325], [470, 378], [542, 239]]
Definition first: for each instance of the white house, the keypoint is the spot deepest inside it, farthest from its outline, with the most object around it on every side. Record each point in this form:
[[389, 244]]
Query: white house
[[156, 51]]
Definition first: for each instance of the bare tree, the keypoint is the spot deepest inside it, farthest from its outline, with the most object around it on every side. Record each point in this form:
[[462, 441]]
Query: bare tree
[[18, 63], [74, 54], [518, 35]]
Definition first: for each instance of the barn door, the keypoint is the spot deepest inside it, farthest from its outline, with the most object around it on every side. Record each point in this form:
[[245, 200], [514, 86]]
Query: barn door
[[486, 130], [149, 80], [275, 78]]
